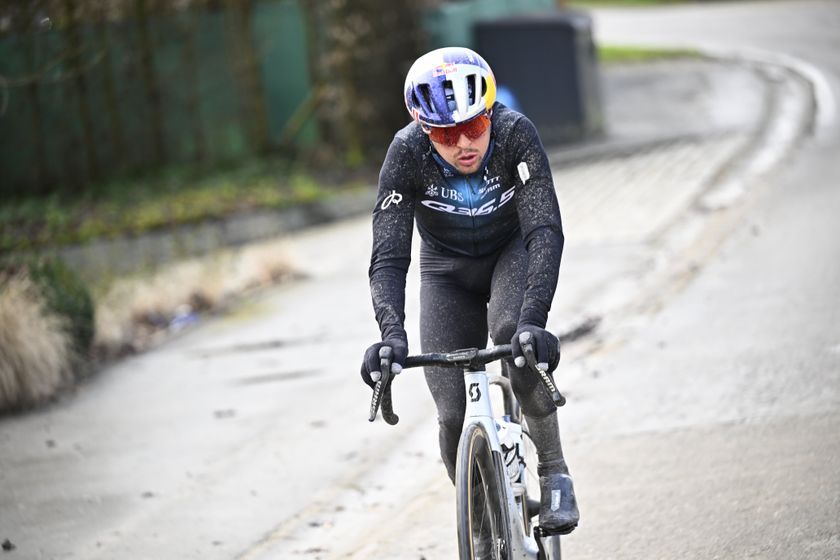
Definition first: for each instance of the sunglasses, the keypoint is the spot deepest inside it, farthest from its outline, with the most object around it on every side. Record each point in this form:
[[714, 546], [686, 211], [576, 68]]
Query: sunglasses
[[449, 135]]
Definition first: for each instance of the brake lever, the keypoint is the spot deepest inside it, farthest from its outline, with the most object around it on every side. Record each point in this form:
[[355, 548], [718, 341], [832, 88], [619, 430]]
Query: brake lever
[[382, 390], [531, 358], [388, 407]]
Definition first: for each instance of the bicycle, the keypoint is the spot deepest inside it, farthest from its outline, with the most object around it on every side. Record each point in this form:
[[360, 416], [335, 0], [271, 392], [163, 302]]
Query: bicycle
[[497, 490]]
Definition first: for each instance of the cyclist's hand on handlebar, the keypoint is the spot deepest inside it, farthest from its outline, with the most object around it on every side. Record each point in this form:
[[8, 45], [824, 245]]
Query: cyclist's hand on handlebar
[[546, 347], [371, 362]]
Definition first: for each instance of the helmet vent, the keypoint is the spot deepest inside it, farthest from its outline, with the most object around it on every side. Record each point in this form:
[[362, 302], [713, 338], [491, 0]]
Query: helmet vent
[[471, 89], [449, 92], [426, 93], [483, 86]]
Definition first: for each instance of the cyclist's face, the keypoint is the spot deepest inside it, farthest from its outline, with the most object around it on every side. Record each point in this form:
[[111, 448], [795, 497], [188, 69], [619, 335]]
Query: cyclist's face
[[467, 154]]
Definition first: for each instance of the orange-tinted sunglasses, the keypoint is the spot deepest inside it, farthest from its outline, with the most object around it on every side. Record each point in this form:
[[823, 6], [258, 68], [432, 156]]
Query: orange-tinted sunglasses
[[449, 135]]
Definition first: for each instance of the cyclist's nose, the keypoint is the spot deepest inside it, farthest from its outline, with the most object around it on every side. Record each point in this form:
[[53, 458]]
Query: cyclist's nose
[[464, 142]]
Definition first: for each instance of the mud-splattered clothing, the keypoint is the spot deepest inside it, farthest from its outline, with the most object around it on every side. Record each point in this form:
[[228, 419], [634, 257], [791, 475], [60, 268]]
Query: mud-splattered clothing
[[491, 248], [475, 215]]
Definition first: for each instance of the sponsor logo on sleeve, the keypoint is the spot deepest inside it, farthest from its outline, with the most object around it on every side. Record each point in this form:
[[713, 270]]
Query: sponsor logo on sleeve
[[394, 198]]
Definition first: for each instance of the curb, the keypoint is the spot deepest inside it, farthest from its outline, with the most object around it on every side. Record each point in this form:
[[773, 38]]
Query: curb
[[108, 258]]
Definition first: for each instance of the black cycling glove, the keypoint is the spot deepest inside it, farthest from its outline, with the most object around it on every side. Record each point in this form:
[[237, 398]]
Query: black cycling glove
[[370, 364], [546, 347]]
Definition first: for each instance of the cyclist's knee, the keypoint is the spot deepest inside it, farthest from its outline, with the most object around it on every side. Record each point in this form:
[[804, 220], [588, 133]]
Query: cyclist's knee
[[532, 397], [538, 407], [502, 330]]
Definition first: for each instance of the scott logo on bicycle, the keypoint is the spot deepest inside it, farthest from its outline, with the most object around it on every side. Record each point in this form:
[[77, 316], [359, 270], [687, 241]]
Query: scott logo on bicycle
[[474, 392]]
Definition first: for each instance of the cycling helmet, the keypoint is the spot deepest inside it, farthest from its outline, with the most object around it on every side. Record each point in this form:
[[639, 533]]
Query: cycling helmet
[[449, 86]]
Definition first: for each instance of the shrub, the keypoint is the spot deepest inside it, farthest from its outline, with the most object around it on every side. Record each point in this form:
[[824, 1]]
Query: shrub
[[67, 296]]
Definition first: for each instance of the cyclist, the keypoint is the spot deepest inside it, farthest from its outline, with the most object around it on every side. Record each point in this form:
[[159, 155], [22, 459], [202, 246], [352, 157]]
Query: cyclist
[[475, 177]]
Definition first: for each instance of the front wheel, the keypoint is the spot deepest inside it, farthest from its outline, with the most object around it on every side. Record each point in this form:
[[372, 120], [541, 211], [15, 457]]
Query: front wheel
[[483, 519]]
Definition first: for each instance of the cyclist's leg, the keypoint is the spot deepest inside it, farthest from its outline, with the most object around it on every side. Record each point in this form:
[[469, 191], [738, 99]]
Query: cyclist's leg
[[453, 315], [507, 293]]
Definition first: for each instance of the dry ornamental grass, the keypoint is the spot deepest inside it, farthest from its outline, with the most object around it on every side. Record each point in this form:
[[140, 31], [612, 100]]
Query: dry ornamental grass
[[36, 353]]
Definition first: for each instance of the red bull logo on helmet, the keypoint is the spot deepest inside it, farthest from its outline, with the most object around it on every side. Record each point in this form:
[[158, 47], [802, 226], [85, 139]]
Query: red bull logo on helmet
[[443, 69]]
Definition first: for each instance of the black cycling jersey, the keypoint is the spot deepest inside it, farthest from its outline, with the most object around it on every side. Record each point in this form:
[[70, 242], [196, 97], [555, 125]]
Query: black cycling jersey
[[470, 215]]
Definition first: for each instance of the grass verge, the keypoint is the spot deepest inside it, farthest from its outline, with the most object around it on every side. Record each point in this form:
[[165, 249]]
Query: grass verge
[[621, 54], [172, 197], [49, 338]]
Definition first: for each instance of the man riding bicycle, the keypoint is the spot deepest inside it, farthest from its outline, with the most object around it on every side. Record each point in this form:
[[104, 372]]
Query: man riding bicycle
[[474, 175]]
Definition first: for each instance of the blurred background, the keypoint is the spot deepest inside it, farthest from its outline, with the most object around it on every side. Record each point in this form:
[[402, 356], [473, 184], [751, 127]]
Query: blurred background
[[140, 133], [185, 196]]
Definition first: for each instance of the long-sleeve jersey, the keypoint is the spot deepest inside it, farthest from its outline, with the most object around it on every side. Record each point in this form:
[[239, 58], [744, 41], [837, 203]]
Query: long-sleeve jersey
[[512, 193]]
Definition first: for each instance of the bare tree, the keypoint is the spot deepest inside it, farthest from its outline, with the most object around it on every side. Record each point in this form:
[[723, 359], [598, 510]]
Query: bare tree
[[246, 62], [190, 62], [77, 53], [143, 13], [109, 89], [364, 49], [30, 45]]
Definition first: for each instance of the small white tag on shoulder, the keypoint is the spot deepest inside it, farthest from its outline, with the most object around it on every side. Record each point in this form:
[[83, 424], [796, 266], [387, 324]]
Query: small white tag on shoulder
[[524, 174]]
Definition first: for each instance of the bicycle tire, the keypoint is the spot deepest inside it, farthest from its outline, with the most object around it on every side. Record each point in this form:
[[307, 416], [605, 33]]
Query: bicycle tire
[[481, 504]]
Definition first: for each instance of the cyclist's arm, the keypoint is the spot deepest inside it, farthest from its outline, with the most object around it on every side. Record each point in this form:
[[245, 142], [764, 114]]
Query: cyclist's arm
[[540, 223], [393, 225]]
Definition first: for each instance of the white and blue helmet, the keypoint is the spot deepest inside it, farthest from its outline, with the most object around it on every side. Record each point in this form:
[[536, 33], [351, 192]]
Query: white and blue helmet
[[449, 86]]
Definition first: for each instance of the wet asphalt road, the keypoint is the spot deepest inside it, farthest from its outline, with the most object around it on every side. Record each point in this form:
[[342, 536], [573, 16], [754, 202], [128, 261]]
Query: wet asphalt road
[[704, 424], [728, 441]]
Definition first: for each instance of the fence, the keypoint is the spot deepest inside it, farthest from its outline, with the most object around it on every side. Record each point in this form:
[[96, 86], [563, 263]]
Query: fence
[[90, 101], [102, 98]]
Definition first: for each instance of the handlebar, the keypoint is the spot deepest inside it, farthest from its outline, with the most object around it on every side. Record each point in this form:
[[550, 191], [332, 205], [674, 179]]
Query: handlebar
[[472, 359]]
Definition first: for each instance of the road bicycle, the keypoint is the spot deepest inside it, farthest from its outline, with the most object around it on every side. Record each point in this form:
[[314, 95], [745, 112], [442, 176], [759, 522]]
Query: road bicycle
[[496, 484]]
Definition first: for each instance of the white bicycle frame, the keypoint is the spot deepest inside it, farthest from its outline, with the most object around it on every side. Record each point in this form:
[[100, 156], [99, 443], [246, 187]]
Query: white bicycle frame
[[480, 411]]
